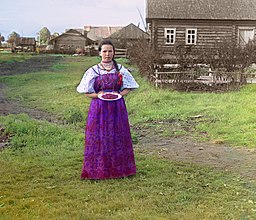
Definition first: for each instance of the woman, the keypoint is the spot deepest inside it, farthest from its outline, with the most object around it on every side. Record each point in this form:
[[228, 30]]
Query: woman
[[108, 144]]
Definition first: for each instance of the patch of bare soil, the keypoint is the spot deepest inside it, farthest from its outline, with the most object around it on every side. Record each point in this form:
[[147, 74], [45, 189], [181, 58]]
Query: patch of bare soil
[[35, 64], [8, 106], [4, 138], [152, 141]]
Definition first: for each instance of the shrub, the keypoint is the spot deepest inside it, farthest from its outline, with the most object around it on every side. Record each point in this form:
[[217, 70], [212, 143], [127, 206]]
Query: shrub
[[226, 61], [144, 57]]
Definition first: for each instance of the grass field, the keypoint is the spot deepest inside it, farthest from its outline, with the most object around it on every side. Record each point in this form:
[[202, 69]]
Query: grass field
[[40, 171]]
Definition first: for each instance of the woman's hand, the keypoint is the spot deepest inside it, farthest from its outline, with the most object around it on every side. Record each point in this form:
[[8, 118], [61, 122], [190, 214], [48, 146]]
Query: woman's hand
[[93, 95], [125, 92]]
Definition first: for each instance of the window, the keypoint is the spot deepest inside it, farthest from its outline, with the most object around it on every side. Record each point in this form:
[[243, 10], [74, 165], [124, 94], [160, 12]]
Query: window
[[170, 34], [191, 36], [245, 35]]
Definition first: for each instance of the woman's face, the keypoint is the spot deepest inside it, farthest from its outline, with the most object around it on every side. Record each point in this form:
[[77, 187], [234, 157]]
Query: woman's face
[[107, 53]]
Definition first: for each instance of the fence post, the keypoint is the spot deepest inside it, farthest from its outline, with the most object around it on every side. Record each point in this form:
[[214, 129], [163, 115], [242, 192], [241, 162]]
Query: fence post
[[156, 78]]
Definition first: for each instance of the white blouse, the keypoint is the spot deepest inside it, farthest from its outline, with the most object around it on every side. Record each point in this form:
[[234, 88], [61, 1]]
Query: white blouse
[[86, 84]]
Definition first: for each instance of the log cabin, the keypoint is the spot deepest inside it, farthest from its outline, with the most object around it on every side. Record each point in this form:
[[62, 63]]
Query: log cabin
[[26, 44], [199, 23], [70, 41]]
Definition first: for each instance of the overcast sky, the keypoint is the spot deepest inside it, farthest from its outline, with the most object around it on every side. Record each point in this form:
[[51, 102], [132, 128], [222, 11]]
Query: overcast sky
[[27, 17]]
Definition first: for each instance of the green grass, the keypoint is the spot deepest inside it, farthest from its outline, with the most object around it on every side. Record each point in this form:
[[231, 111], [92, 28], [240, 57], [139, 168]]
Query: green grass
[[40, 171], [40, 179], [10, 58], [228, 117]]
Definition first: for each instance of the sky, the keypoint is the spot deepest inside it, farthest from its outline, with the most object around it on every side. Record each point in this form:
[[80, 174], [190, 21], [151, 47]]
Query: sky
[[27, 17]]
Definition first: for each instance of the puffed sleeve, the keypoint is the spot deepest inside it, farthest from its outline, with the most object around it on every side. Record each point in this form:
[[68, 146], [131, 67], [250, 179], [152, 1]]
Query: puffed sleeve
[[86, 84], [128, 80]]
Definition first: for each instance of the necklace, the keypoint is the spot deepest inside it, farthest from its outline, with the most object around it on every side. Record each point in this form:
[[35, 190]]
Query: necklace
[[107, 66]]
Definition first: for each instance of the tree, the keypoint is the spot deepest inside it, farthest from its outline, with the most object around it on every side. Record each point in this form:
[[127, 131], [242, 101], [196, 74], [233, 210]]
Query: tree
[[1, 39], [44, 36], [12, 38], [55, 34]]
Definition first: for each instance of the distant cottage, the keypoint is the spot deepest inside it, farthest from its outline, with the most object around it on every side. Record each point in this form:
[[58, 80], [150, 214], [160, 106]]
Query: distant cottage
[[70, 41], [26, 44], [200, 23]]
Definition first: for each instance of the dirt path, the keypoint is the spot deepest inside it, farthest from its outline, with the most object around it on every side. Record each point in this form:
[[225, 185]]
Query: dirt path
[[150, 135], [7, 106], [186, 149], [35, 64]]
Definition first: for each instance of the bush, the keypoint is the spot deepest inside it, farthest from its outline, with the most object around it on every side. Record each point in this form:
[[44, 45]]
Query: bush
[[144, 57], [230, 57], [226, 61]]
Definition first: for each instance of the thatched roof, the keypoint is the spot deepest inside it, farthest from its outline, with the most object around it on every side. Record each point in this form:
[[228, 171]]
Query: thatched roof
[[130, 31], [201, 9]]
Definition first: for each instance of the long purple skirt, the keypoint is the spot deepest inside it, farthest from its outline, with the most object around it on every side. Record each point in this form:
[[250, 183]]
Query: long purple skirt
[[108, 143]]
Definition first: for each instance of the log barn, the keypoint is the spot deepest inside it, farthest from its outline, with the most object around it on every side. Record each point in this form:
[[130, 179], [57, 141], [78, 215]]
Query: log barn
[[200, 23], [26, 44], [70, 41]]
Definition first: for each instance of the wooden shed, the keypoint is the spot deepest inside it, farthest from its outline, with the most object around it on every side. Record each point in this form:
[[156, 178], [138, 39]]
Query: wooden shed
[[70, 41], [201, 23], [26, 44]]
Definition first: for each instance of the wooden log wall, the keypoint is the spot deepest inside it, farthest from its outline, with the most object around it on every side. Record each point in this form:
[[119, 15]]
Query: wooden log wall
[[208, 33], [70, 42]]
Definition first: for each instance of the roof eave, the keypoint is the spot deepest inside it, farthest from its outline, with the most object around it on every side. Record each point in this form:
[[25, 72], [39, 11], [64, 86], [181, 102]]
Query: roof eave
[[148, 20]]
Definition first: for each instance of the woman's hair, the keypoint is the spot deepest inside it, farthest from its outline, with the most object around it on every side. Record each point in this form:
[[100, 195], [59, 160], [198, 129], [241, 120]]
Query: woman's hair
[[109, 42]]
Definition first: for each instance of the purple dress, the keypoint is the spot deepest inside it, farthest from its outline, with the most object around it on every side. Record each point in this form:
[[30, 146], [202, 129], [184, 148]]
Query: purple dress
[[108, 145]]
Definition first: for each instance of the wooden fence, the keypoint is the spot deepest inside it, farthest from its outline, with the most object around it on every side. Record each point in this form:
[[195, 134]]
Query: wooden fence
[[250, 77], [201, 77], [120, 53]]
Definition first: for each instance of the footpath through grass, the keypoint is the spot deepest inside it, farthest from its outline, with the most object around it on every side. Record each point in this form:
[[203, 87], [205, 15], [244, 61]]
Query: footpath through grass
[[40, 171]]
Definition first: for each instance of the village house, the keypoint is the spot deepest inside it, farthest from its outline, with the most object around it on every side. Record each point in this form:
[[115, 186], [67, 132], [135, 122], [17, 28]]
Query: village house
[[199, 23], [26, 44], [71, 41]]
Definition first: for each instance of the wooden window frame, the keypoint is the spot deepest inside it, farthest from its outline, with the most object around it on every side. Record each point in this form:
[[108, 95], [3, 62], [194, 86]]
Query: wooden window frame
[[245, 28], [193, 34], [166, 34]]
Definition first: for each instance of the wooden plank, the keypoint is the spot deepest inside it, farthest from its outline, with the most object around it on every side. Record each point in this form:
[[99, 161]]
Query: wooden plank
[[120, 53]]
